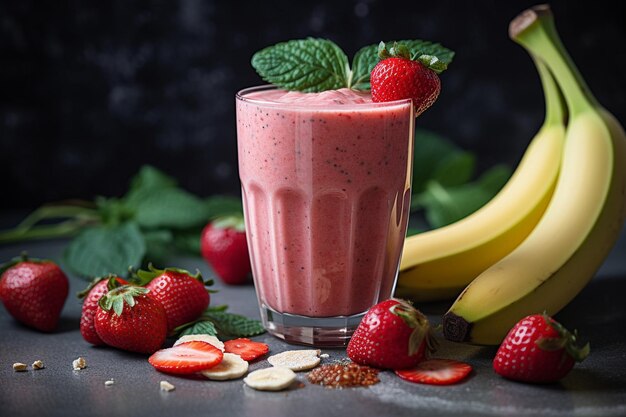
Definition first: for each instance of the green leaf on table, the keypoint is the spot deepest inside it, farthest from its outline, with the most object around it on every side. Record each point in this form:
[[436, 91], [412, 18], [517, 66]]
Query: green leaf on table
[[159, 244], [170, 208], [103, 250], [307, 65], [231, 325], [199, 327]]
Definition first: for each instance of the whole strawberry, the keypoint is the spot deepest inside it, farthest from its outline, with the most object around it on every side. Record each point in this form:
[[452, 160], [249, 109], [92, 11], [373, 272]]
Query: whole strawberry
[[183, 295], [392, 335], [401, 76], [224, 247], [92, 294], [34, 292], [130, 319], [538, 349]]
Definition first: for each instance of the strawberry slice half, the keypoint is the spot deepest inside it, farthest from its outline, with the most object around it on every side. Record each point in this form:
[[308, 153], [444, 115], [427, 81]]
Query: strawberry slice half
[[436, 372], [248, 349], [186, 358]]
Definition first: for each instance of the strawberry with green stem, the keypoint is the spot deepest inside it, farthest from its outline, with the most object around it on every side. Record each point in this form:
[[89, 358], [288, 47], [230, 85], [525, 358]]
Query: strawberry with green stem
[[538, 349], [92, 295], [224, 246], [391, 335], [402, 75], [184, 296], [34, 291], [129, 318]]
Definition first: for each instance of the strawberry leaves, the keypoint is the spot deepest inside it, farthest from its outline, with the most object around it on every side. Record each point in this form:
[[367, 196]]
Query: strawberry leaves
[[314, 65]]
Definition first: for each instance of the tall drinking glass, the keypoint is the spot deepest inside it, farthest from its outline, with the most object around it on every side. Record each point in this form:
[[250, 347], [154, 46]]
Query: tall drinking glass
[[326, 190]]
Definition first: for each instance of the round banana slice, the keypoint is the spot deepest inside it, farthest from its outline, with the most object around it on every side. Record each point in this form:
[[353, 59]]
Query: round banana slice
[[270, 379], [231, 367], [202, 338], [296, 360]]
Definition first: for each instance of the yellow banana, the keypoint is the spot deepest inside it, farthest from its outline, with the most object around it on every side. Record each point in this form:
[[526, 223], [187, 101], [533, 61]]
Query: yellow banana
[[438, 264], [581, 223]]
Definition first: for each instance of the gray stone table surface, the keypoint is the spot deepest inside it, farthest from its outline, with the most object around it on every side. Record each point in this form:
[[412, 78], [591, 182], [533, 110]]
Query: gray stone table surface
[[596, 387]]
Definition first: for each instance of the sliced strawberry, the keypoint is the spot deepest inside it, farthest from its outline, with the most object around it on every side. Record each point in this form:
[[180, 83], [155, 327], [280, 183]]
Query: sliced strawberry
[[436, 372], [248, 350], [186, 358]]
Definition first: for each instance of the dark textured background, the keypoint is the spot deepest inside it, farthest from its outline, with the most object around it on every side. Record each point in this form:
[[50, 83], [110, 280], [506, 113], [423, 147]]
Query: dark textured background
[[91, 90]]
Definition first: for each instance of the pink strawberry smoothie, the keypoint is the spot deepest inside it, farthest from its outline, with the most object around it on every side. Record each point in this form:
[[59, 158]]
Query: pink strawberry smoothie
[[326, 188]]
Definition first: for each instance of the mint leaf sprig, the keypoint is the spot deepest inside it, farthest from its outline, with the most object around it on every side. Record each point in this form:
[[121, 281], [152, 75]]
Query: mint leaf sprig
[[314, 65], [216, 321], [154, 220]]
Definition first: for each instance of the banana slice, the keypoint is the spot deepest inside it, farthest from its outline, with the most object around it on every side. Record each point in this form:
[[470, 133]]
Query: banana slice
[[202, 338], [270, 379], [231, 367], [296, 360]]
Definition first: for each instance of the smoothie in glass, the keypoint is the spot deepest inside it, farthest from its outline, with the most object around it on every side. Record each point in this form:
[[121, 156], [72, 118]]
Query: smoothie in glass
[[326, 189]]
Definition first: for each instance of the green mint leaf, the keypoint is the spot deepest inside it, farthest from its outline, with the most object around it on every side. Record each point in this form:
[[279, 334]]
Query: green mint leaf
[[150, 178], [433, 63], [309, 65], [170, 208], [446, 205], [363, 63], [199, 327], [457, 168], [106, 250], [220, 308], [222, 206], [234, 325], [428, 153], [188, 241], [419, 47], [158, 245]]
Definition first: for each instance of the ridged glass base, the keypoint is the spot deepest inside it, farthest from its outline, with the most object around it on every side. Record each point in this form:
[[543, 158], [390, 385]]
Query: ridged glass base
[[310, 331]]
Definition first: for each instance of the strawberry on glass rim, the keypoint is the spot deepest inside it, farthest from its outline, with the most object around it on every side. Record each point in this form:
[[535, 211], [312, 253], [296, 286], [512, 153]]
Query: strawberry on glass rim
[[401, 74]]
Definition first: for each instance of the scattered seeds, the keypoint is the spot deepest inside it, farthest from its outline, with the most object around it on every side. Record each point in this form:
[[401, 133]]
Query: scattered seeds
[[79, 364], [109, 382], [296, 360], [324, 355], [166, 386], [20, 367], [340, 375], [37, 365]]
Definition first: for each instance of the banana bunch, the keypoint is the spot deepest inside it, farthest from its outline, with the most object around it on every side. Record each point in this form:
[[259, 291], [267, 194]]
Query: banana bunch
[[581, 222], [438, 264]]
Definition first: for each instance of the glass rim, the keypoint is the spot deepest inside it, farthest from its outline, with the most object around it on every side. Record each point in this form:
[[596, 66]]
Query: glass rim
[[241, 96]]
